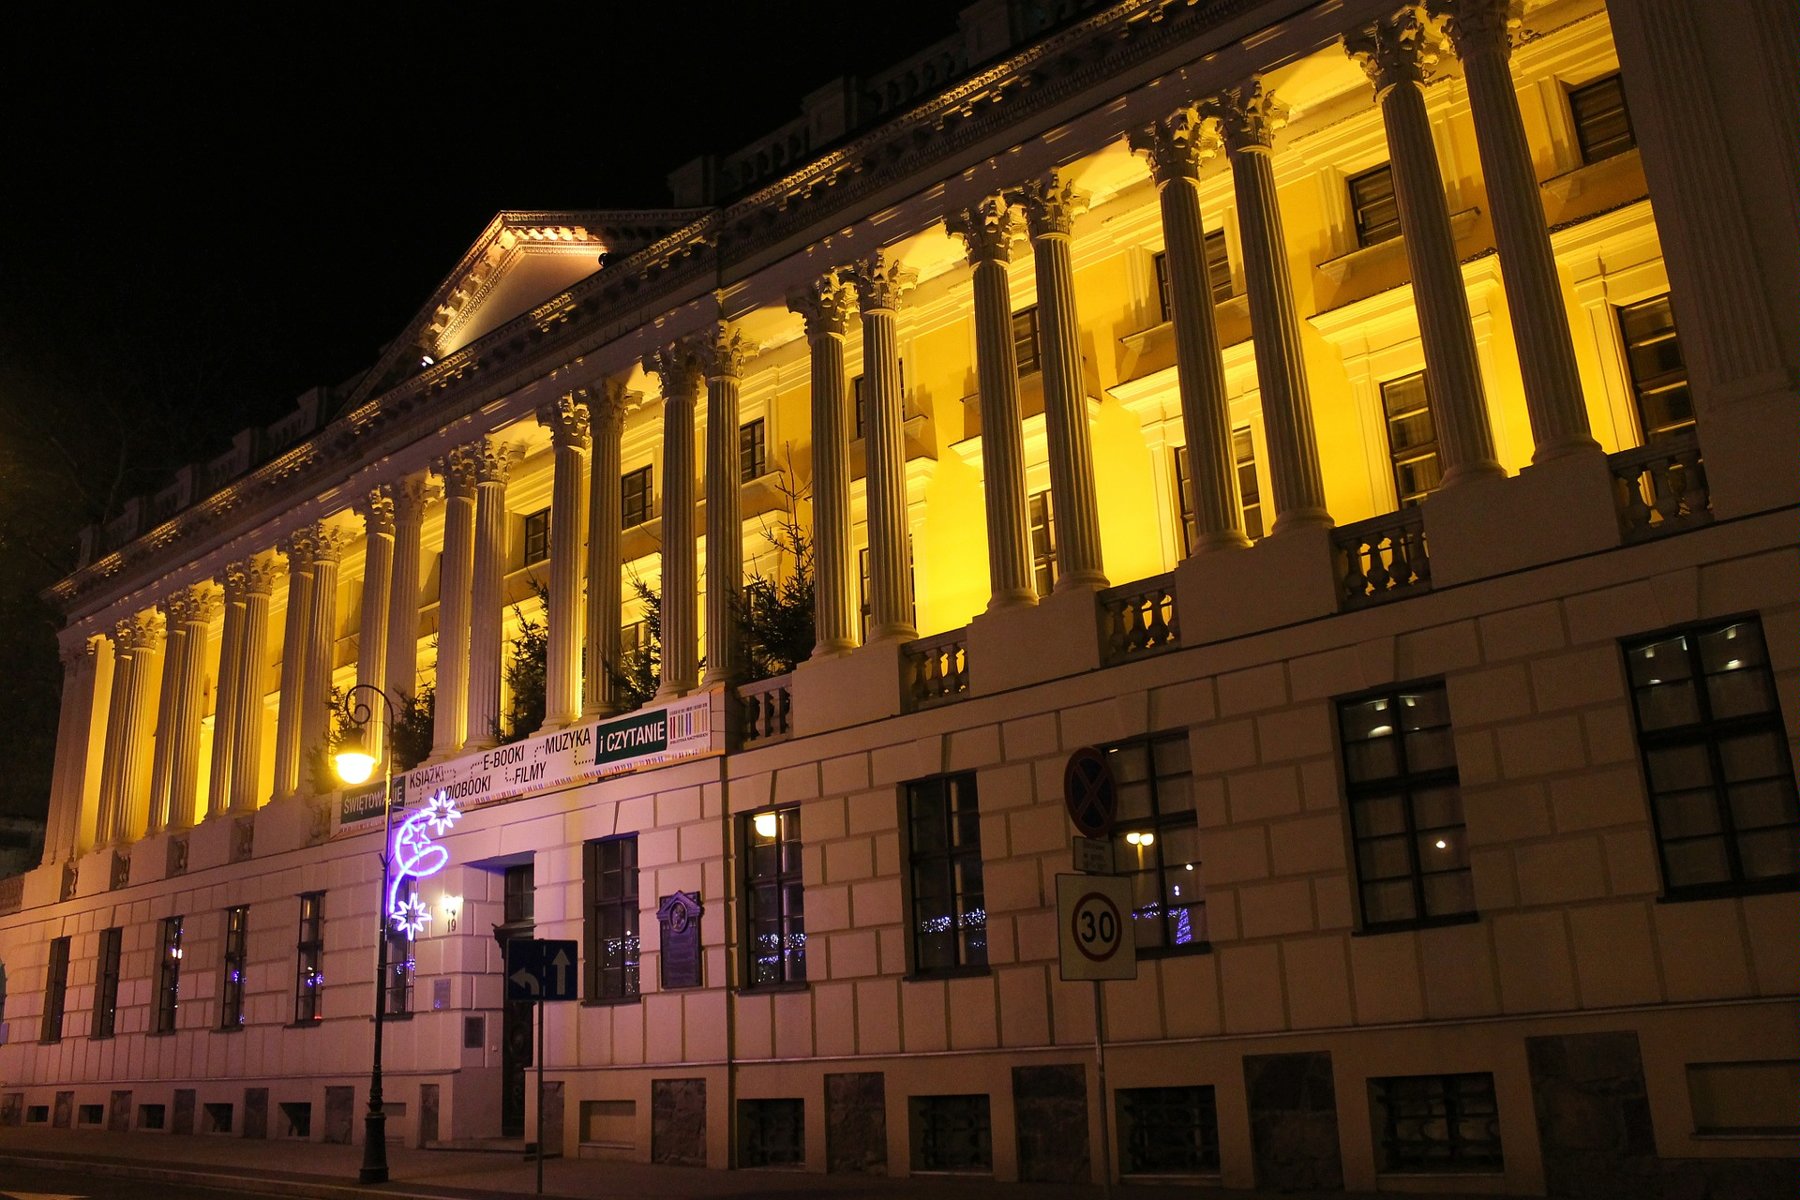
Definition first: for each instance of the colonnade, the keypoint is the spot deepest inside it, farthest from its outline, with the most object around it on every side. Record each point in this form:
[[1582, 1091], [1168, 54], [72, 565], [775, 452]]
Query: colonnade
[[132, 704]]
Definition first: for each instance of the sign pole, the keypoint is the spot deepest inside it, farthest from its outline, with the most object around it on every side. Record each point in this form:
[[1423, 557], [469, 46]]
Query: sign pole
[[1106, 1188], [540, 1098]]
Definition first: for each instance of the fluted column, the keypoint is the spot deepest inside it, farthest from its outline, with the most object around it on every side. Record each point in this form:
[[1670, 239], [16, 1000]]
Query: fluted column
[[1176, 147], [679, 369], [988, 231], [123, 809], [63, 831], [1396, 54], [825, 305], [251, 684], [190, 614], [321, 662], [723, 357], [410, 496], [1481, 31], [1051, 206], [225, 701], [487, 600], [450, 723], [298, 549], [377, 512], [606, 422], [567, 420], [880, 282], [173, 609], [1248, 117]]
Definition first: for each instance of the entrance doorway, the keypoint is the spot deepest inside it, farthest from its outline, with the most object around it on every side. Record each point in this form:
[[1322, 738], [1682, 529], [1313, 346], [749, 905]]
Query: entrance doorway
[[515, 1018]]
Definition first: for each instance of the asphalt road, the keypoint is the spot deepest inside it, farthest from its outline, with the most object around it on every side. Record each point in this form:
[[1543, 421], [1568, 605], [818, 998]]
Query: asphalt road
[[33, 1183]]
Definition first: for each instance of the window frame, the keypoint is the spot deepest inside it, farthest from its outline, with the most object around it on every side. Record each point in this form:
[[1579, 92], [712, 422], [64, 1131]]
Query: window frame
[[309, 961], [1028, 342], [535, 538], [644, 506], [1665, 382], [753, 450], [397, 988], [1372, 233], [234, 957], [106, 983], [596, 989], [1415, 453], [1575, 95], [788, 836], [56, 992], [1157, 823], [950, 787], [1040, 527], [168, 977]]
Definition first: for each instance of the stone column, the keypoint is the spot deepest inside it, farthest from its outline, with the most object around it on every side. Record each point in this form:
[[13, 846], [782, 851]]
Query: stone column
[[1248, 117], [91, 729], [880, 282], [450, 724], [190, 612], [1396, 54], [678, 367], [298, 548], [723, 357], [410, 496], [1176, 147], [122, 794], [604, 599], [321, 664], [251, 684], [487, 600], [225, 700], [63, 831], [173, 609], [1481, 31], [377, 512], [1051, 206], [988, 231], [825, 306], [567, 420]]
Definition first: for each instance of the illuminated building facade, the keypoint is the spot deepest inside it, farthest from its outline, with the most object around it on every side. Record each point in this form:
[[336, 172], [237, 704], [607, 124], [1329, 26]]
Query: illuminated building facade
[[1373, 428]]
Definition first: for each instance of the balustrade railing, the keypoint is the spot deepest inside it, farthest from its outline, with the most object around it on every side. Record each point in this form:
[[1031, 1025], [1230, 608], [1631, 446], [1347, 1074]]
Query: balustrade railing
[[936, 668], [1139, 618], [765, 710], [1382, 558], [1661, 487]]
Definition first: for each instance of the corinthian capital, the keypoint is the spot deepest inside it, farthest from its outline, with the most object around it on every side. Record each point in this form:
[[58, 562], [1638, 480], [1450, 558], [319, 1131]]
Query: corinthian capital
[[410, 496], [1395, 50], [1478, 26], [566, 417], [825, 305], [456, 467], [195, 604], [678, 366], [988, 229], [377, 511], [297, 547], [494, 460], [1177, 145], [328, 543], [1051, 205], [257, 575], [609, 402], [139, 633], [1248, 115], [880, 281], [725, 353]]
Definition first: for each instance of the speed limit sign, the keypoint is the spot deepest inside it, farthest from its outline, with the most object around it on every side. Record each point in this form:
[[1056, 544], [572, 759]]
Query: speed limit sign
[[1093, 914]]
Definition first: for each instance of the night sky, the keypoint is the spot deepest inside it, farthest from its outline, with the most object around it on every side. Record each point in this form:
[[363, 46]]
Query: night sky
[[206, 214]]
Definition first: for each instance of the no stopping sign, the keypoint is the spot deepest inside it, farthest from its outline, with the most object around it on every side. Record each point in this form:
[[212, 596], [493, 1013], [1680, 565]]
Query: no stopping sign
[[1094, 920]]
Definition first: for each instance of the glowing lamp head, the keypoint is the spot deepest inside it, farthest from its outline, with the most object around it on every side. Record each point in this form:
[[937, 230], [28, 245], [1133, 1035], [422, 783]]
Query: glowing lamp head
[[354, 762], [765, 824]]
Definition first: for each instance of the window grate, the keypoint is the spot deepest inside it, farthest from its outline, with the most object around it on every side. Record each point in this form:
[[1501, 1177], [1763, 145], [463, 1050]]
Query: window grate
[[771, 1133], [1430, 1123], [951, 1133], [1168, 1131]]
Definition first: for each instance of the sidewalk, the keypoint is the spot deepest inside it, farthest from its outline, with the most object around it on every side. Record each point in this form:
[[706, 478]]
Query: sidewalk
[[328, 1172]]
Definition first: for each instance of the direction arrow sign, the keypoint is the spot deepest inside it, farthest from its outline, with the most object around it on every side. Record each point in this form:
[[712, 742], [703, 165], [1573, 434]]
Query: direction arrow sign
[[1093, 916], [540, 971]]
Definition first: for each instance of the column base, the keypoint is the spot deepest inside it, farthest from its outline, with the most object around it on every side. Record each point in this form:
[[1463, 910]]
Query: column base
[[1031, 643], [1750, 448], [849, 689], [1281, 580], [1561, 508]]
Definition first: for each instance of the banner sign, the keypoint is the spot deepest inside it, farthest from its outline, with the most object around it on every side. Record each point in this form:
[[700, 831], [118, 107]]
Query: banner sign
[[582, 753]]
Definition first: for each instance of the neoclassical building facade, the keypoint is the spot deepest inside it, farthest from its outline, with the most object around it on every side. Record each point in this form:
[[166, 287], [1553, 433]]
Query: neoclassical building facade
[[1372, 428]]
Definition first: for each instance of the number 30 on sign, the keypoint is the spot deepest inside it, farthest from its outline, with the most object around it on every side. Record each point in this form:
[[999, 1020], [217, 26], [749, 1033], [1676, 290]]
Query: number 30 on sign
[[1093, 913]]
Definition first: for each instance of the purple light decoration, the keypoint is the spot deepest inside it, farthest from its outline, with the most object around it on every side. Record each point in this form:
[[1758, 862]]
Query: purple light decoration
[[416, 855]]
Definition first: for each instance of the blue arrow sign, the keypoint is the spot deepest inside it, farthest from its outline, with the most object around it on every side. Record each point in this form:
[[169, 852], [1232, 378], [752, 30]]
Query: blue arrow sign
[[539, 970]]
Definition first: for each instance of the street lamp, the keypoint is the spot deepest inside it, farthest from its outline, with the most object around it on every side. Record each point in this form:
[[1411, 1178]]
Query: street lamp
[[355, 763]]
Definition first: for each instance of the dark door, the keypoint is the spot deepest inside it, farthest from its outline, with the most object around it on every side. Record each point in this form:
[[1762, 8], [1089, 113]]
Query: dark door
[[515, 1018]]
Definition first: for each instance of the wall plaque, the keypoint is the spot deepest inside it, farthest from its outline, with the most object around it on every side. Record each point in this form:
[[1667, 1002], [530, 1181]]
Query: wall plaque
[[679, 916]]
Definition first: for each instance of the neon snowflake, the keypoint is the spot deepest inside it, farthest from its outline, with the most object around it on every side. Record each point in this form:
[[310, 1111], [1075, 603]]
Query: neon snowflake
[[441, 813], [410, 917], [415, 855]]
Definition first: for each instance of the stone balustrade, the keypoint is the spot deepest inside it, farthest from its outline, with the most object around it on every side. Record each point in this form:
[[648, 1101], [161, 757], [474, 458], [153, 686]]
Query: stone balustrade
[[1139, 618], [1660, 488], [1382, 558], [765, 710], [935, 669]]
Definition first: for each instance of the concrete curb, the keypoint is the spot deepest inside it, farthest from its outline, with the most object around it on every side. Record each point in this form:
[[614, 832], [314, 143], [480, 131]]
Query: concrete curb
[[252, 1185]]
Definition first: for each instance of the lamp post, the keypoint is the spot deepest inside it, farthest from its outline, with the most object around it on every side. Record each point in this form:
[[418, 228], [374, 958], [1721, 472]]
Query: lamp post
[[354, 765]]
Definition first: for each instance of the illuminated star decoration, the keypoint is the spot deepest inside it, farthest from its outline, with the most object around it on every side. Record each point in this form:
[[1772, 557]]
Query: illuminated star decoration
[[414, 855], [410, 917]]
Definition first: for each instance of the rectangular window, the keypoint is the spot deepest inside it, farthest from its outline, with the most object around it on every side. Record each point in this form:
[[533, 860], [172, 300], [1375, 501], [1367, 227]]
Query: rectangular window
[[1027, 351], [634, 498], [610, 881], [231, 985], [1406, 816], [1218, 275], [951, 1133], [106, 982], [1043, 542], [1168, 1131], [1745, 1099], [1431, 1123], [753, 450], [1716, 759], [56, 991], [1412, 438], [168, 977], [1165, 304], [519, 904], [1372, 204], [949, 910], [537, 536], [1184, 501], [1155, 844], [1602, 126], [398, 1000], [859, 402], [771, 1133], [309, 966], [774, 899], [1243, 456], [634, 642], [1659, 378]]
